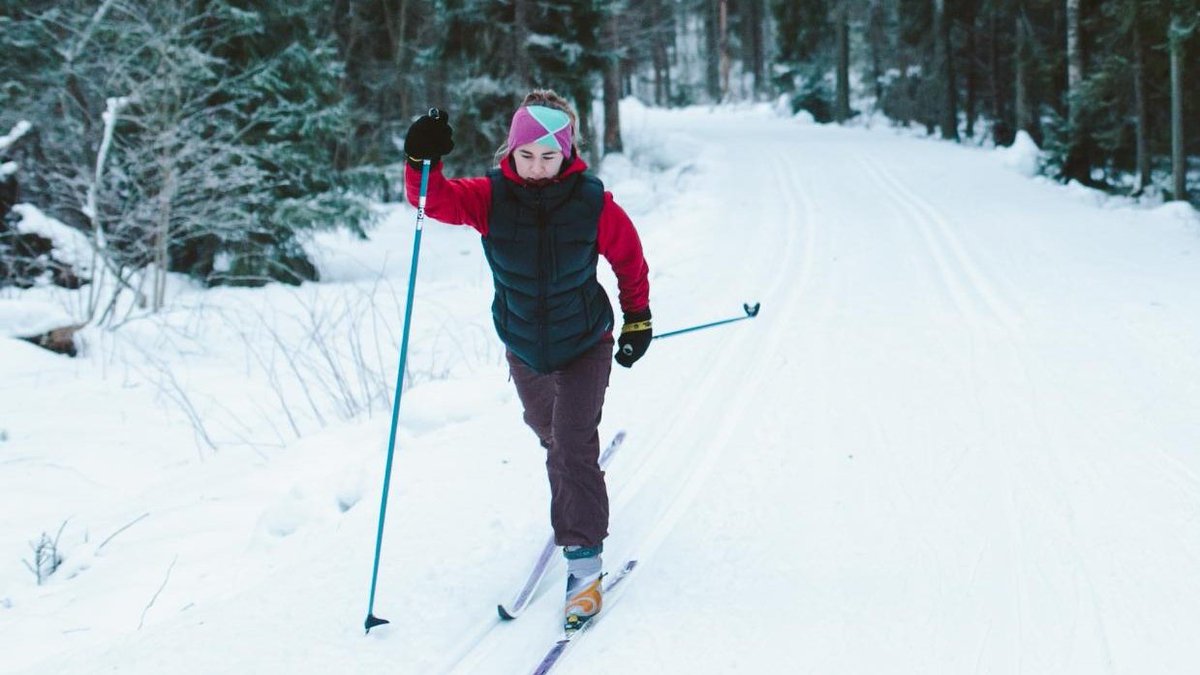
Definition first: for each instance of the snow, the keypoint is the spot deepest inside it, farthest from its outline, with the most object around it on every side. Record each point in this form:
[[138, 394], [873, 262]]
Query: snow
[[29, 318], [959, 437], [1023, 156], [70, 246], [18, 130]]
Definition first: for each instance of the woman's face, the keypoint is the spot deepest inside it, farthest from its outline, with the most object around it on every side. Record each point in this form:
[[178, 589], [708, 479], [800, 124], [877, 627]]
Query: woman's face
[[536, 162]]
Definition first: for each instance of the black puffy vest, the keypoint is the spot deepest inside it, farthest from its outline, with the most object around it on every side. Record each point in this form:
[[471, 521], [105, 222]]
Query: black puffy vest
[[541, 246]]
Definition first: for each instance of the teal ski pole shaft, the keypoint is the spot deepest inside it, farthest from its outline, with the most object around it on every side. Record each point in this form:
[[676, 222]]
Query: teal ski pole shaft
[[373, 620], [751, 312]]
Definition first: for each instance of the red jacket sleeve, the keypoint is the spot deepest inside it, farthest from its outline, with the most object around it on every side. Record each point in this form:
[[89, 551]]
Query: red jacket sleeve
[[454, 201], [618, 242]]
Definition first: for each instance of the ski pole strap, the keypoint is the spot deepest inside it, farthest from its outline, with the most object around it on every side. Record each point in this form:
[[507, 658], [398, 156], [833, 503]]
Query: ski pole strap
[[635, 326]]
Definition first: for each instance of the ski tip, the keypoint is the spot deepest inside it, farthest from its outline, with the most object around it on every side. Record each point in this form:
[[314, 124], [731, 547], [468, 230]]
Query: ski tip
[[505, 615], [373, 621]]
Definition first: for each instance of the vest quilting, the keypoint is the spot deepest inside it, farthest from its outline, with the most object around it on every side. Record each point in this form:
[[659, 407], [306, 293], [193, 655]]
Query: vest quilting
[[542, 248]]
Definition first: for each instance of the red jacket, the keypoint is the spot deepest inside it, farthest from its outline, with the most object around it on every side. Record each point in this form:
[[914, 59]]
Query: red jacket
[[468, 201]]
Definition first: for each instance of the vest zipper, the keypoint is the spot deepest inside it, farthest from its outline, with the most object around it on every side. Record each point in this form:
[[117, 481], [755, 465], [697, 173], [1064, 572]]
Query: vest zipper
[[543, 319]]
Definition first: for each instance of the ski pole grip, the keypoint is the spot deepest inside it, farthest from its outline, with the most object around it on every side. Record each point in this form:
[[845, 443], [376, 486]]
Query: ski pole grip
[[434, 112]]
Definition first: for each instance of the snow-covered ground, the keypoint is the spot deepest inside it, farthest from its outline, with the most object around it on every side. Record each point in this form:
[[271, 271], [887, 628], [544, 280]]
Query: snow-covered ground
[[961, 436]]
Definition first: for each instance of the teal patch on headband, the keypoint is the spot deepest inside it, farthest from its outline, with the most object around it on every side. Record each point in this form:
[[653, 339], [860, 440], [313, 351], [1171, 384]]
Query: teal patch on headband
[[549, 141], [552, 120]]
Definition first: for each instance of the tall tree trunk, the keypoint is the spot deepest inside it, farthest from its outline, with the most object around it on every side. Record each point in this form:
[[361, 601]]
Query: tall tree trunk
[[755, 12], [945, 59], [726, 61], [1025, 118], [162, 239], [658, 53], [1001, 125], [1141, 106], [582, 95], [877, 42], [522, 65], [1074, 61], [841, 106], [1078, 163], [712, 71], [972, 71], [612, 87], [1178, 159]]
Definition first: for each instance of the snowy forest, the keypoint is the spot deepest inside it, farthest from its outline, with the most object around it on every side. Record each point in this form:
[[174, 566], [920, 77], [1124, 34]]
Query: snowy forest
[[926, 272], [204, 136]]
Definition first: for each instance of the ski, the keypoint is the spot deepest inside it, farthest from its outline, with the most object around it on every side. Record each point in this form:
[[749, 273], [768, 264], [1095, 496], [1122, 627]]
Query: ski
[[521, 600], [564, 643]]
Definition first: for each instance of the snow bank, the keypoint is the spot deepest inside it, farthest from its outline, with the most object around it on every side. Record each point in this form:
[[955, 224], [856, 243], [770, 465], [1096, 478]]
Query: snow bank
[[634, 195], [647, 174], [71, 247], [1023, 155], [27, 318], [1178, 211]]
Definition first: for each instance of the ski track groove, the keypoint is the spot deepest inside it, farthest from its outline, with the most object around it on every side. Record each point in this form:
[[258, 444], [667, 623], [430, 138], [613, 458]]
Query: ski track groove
[[937, 230], [967, 287], [952, 290], [959, 298]]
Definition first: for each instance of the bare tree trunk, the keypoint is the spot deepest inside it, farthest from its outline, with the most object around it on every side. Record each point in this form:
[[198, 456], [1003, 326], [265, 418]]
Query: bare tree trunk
[[755, 17], [523, 67], [1025, 118], [658, 54], [583, 99], [1074, 60], [612, 87], [1141, 106], [397, 26], [1001, 125], [162, 243], [841, 106], [1078, 162], [1178, 159], [402, 31], [878, 44], [726, 62], [712, 69], [949, 121], [972, 72]]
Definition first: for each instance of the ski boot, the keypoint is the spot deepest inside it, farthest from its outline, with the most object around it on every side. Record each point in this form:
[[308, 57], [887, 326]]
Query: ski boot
[[584, 590]]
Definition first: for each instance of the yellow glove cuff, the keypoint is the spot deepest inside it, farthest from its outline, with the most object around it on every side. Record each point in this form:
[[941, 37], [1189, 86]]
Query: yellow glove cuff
[[635, 326]]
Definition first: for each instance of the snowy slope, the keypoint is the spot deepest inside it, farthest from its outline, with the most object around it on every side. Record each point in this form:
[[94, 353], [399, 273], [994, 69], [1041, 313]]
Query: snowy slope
[[960, 437]]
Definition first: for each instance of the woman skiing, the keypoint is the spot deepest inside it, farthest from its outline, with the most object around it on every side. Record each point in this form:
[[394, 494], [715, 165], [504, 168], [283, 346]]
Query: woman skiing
[[544, 221]]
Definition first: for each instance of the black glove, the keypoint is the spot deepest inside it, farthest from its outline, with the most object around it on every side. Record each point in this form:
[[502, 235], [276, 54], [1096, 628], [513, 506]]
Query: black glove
[[429, 137], [635, 337]]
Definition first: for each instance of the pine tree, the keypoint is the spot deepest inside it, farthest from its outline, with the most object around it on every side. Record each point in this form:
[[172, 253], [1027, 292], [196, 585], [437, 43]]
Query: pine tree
[[219, 142]]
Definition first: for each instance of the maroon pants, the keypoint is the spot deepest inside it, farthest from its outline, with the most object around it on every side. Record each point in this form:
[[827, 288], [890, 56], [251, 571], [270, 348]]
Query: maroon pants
[[563, 408]]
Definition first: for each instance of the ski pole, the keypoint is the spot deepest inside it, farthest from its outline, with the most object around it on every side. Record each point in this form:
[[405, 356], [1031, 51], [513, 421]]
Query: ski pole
[[373, 620], [751, 312]]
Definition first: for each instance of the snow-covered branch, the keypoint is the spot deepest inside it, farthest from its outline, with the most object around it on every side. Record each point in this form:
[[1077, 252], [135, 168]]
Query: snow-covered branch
[[18, 130], [112, 110]]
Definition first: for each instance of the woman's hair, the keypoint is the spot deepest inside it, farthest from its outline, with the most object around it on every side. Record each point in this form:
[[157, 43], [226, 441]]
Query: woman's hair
[[550, 99]]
